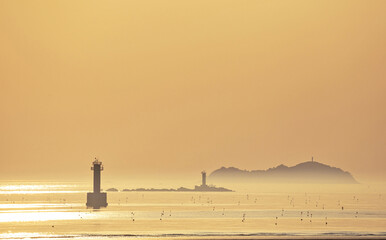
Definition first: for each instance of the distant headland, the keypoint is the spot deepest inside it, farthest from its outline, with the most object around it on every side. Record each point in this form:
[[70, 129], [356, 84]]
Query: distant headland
[[306, 172]]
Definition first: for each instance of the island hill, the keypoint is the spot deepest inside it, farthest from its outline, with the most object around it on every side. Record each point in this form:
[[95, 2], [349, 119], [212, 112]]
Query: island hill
[[306, 172], [202, 188]]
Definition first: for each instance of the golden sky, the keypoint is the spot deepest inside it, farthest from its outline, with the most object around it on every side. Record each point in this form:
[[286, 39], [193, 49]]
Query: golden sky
[[167, 88]]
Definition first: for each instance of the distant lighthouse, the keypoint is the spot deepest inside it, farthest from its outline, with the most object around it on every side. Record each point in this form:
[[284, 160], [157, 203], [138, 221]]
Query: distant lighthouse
[[97, 199], [203, 176]]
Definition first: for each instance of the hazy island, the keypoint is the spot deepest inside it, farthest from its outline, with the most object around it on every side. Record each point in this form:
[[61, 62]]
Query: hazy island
[[306, 172]]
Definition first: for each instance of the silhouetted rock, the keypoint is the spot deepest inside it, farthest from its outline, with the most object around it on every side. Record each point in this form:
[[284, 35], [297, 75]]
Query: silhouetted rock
[[202, 188], [112, 190], [306, 172], [206, 188], [180, 189]]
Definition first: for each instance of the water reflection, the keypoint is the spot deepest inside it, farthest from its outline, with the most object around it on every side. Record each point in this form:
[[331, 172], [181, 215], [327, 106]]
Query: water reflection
[[35, 206], [34, 216], [39, 188], [137, 212]]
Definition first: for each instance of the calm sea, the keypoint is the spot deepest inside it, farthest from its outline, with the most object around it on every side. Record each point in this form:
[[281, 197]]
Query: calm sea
[[46, 210]]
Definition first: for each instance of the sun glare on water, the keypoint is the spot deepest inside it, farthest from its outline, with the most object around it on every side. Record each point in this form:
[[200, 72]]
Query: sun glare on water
[[36, 188], [29, 216]]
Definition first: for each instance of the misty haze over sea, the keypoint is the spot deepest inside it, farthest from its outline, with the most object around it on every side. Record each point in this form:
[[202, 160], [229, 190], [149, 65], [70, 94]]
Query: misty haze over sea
[[214, 120]]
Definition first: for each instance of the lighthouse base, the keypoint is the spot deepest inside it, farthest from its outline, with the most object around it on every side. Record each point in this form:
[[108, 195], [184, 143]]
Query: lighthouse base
[[96, 200]]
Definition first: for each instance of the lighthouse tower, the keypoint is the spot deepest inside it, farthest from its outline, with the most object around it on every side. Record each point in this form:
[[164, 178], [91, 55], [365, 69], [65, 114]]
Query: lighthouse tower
[[97, 199], [203, 176]]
